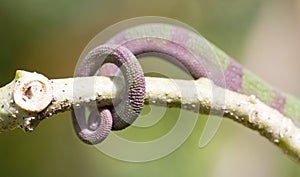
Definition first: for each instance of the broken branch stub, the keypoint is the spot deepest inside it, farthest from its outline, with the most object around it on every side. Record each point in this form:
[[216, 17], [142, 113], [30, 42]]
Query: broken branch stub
[[33, 92]]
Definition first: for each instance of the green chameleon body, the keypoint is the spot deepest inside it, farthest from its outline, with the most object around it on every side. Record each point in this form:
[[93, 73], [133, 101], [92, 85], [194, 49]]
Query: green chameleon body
[[192, 53]]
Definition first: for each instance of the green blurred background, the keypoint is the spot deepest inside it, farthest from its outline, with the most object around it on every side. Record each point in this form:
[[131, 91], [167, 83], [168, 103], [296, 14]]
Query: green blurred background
[[48, 36]]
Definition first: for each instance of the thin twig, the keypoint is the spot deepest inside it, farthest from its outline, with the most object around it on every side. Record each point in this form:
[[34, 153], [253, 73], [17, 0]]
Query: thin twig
[[71, 92]]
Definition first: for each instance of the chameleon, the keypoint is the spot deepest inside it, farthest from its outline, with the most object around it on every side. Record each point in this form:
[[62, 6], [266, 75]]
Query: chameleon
[[96, 131], [199, 58]]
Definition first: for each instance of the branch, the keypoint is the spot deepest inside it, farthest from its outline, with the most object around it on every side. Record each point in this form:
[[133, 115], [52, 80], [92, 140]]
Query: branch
[[31, 97]]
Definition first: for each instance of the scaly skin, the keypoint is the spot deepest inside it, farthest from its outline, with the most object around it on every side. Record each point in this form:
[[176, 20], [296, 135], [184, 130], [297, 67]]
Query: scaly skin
[[198, 57], [195, 54], [133, 102]]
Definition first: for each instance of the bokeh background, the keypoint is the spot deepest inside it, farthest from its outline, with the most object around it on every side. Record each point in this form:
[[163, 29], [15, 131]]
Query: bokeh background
[[48, 36]]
